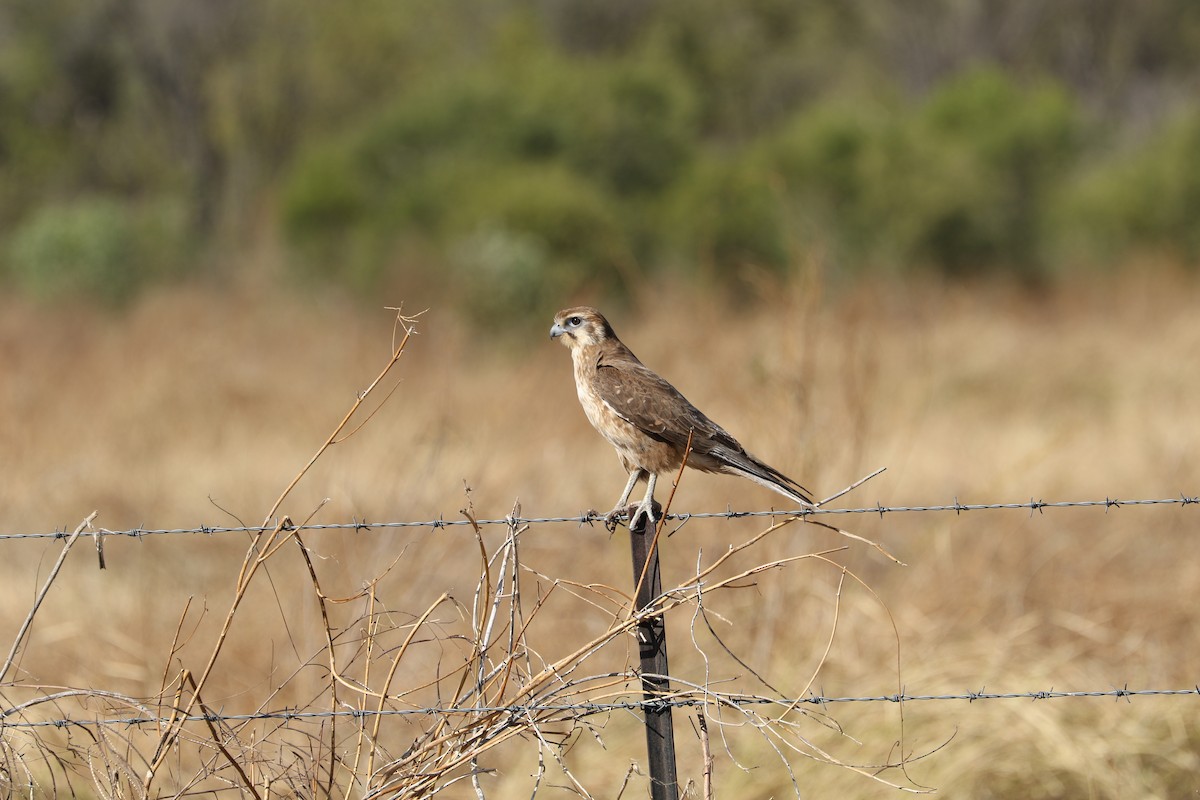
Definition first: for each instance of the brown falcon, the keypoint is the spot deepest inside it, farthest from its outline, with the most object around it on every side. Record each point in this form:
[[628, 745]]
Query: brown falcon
[[646, 419]]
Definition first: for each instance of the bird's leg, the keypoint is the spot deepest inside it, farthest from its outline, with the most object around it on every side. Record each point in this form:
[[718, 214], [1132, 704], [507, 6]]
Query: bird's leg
[[647, 505], [610, 519], [633, 479]]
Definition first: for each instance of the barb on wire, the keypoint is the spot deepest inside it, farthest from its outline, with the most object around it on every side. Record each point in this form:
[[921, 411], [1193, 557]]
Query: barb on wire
[[364, 526]]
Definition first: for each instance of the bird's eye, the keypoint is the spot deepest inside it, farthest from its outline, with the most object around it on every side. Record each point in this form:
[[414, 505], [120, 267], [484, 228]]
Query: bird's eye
[[574, 321]]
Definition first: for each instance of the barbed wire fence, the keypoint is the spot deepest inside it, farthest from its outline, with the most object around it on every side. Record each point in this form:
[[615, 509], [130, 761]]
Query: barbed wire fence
[[584, 709], [502, 688], [591, 518]]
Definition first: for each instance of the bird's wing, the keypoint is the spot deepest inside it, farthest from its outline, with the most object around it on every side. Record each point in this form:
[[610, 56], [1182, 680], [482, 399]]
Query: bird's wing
[[648, 402], [643, 399]]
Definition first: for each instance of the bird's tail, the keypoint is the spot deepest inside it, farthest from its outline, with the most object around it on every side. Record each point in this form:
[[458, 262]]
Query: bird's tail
[[764, 474]]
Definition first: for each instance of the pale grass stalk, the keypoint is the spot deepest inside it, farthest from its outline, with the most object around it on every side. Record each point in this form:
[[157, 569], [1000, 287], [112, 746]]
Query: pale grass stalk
[[630, 771], [837, 607], [329, 648], [850, 488], [706, 756], [484, 635], [250, 565], [175, 647], [372, 629], [516, 639]]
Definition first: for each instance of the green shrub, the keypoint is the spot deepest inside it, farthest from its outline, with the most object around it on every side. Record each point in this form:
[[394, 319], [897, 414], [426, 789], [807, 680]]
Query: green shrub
[[730, 215], [95, 247], [506, 273], [324, 197], [829, 162], [1143, 198], [560, 156], [986, 158], [964, 183], [636, 134], [594, 164], [549, 211], [820, 154]]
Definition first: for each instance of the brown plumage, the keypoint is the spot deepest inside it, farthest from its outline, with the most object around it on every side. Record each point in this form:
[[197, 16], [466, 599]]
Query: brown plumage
[[646, 419]]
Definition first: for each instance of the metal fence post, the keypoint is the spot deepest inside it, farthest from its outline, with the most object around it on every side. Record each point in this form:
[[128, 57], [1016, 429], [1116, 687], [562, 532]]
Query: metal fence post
[[652, 646]]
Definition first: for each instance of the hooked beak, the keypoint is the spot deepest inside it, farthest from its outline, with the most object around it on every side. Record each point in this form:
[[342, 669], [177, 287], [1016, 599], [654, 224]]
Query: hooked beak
[[557, 330]]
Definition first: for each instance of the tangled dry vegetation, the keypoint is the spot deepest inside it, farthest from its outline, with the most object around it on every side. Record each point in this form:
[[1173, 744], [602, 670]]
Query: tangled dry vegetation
[[498, 660]]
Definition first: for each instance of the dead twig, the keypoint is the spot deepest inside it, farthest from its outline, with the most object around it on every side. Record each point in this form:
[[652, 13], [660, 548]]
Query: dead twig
[[849, 488]]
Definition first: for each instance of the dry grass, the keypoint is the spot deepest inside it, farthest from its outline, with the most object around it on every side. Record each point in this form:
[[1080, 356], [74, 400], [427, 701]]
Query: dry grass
[[981, 394]]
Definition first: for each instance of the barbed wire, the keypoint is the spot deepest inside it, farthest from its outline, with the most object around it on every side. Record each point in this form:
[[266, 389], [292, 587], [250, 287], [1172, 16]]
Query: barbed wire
[[521, 712], [591, 517]]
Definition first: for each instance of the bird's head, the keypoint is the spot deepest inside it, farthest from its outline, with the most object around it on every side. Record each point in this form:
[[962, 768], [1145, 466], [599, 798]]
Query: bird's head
[[581, 327]]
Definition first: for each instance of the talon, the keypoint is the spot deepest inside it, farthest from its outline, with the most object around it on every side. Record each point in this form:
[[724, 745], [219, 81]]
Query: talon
[[652, 512], [612, 518]]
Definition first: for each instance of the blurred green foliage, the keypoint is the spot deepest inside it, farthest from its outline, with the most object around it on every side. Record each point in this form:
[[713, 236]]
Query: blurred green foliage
[[535, 149], [93, 248], [1149, 193], [564, 156]]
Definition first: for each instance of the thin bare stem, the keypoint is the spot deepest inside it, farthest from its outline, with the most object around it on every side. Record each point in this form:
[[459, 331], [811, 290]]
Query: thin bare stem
[[407, 324], [849, 488]]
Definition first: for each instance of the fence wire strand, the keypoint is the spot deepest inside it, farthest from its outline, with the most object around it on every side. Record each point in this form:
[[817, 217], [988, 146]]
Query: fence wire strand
[[591, 517], [517, 712]]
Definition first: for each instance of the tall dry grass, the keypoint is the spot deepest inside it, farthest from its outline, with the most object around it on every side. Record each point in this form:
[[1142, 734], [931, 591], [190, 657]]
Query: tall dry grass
[[199, 408]]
